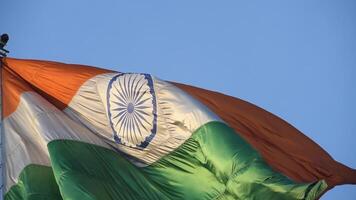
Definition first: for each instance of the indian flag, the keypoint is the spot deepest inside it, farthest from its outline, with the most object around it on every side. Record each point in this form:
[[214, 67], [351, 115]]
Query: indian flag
[[79, 132]]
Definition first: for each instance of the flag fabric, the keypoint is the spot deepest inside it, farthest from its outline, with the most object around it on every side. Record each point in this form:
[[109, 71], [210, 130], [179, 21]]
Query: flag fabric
[[80, 132]]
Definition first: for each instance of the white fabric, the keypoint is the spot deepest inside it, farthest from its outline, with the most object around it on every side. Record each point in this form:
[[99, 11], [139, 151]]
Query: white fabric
[[28, 130], [37, 122], [179, 115]]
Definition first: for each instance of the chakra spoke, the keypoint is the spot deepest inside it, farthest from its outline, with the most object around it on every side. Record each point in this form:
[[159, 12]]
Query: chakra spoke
[[119, 97], [120, 104], [119, 114], [123, 84], [142, 107], [120, 123], [142, 101], [129, 88], [125, 128], [138, 92], [140, 111], [141, 95], [142, 125], [125, 88], [142, 118], [122, 90], [119, 109], [136, 123], [132, 87], [132, 131], [135, 91]]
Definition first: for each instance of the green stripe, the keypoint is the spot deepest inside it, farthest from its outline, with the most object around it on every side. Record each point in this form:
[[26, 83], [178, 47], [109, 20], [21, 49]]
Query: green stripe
[[215, 163], [85, 171], [35, 182]]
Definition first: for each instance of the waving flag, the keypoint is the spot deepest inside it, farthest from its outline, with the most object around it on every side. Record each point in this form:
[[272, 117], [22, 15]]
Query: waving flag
[[80, 132]]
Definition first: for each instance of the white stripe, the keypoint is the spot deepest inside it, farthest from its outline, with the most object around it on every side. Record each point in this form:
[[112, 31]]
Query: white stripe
[[28, 130]]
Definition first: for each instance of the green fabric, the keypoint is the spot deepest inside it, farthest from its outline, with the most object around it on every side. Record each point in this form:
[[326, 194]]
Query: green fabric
[[36, 182], [215, 163]]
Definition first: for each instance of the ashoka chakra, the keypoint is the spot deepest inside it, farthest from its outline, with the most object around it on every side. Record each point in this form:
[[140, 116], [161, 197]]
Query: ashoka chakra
[[132, 109]]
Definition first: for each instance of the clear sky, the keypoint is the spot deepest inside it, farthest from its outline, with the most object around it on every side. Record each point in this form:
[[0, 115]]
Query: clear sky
[[294, 58]]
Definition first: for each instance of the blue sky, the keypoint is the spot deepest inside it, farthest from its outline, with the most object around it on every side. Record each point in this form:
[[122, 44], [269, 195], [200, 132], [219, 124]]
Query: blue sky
[[296, 59]]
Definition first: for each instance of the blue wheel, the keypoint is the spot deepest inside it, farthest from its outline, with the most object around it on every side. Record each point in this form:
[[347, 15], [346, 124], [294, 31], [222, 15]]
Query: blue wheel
[[132, 109]]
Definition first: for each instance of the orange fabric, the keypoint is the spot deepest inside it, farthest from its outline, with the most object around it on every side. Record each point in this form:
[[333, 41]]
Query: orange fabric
[[284, 147], [13, 86], [57, 82]]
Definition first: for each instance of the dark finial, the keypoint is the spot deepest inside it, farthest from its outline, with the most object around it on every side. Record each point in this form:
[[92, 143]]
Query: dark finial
[[4, 38]]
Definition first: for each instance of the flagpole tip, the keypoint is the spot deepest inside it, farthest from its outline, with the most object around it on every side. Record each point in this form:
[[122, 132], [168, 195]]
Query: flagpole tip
[[4, 38]]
